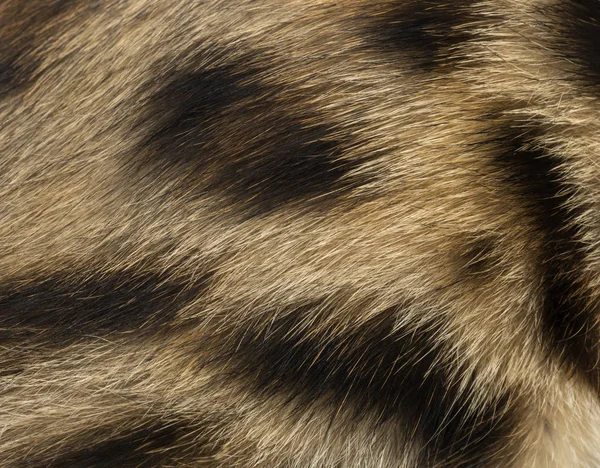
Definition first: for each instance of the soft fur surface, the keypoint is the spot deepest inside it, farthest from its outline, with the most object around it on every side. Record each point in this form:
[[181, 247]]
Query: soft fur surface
[[285, 233]]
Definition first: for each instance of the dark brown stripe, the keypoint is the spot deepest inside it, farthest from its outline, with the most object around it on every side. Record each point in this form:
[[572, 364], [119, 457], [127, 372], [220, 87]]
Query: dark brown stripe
[[63, 309], [143, 448], [24, 26], [479, 257], [538, 176], [577, 37], [422, 35], [374, 369], [223, 129]]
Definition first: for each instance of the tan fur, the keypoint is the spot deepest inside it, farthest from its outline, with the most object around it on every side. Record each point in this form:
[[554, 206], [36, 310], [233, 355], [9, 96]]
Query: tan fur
[[434, 227]]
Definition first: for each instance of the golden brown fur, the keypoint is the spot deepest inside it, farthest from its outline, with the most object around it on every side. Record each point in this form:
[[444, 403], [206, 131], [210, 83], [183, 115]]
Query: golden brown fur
[[284, 233]]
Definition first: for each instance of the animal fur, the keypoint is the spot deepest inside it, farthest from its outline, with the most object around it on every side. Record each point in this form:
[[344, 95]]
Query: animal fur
[[286, 233]]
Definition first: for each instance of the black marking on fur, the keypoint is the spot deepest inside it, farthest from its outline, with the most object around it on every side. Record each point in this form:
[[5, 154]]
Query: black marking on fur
[[372, 368], [13, 76], [580, 42], [535, 174], [7, 75], [193, 103], [222, 129], [25, 25], [62, 309], [478, 257], [429, 32], [11, 372], [146, 447]]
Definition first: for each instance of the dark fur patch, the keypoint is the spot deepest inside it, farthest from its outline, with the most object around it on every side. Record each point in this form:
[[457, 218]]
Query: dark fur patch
[[428, 32], [222, 129], [61, 310], [534, 174], [7, 77], [25, 25], [147, 447], [478, 257], [11, 372], [372, 368], [194, 102], [580, 39]]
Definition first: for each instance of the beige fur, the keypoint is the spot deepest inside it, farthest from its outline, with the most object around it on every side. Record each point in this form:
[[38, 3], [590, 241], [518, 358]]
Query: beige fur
[[424, 229]]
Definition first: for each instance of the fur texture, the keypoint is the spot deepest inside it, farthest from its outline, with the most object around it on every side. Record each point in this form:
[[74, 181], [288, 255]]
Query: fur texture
[[300, 233]]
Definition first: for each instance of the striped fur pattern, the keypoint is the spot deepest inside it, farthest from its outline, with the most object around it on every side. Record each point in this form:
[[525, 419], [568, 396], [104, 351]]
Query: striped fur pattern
[[299, 233]]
